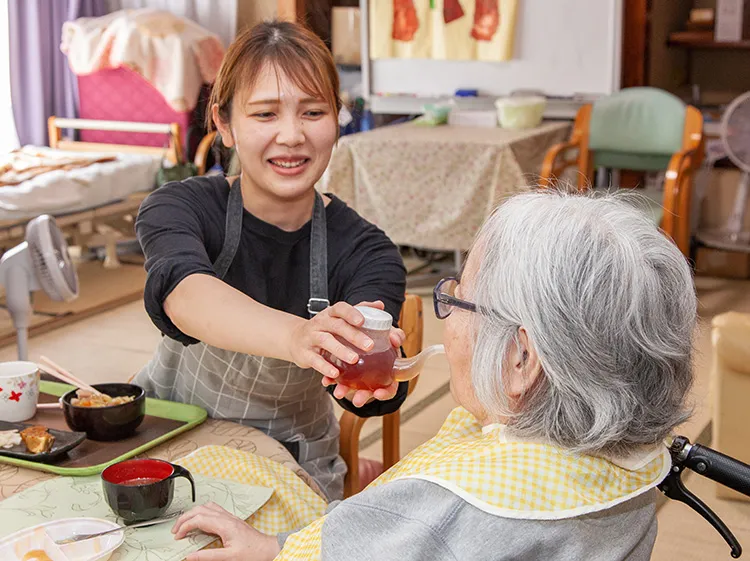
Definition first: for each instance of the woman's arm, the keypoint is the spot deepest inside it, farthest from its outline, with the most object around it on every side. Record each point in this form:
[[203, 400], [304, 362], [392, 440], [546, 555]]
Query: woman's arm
[[188, 303], [211, 311]]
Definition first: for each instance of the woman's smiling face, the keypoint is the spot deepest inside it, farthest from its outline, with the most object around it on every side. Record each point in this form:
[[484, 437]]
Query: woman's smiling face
[[283, 136]]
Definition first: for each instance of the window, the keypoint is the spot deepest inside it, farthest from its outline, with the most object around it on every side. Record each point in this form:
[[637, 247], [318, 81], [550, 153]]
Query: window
[[8, 136]]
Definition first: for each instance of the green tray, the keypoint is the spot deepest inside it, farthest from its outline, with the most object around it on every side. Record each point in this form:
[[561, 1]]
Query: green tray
[[190, 415]]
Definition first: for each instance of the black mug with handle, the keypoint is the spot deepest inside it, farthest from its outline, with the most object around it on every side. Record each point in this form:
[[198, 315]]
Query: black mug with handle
[[142, 489]]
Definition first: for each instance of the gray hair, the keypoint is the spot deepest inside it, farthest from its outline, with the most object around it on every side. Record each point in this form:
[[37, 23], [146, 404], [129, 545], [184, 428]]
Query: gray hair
[[609, 305]]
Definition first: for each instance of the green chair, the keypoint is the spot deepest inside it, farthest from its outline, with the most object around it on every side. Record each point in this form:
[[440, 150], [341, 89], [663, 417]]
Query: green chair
[[639, 129]]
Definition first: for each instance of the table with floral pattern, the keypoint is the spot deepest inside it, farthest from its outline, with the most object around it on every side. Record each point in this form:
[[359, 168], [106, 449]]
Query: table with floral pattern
[[433, 187]]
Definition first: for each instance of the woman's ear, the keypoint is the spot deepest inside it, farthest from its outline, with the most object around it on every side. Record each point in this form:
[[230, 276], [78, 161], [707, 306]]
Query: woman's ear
[[225, 131], [522, 366]]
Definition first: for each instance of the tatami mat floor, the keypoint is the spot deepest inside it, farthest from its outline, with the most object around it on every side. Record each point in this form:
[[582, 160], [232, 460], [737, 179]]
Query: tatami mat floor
[[115, 344]]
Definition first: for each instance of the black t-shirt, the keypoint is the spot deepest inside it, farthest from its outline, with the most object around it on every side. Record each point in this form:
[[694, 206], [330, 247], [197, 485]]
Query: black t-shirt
[[181, 229]]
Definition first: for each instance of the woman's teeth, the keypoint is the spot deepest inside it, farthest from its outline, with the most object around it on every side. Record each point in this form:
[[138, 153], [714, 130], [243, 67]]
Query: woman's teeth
[[288, 164]]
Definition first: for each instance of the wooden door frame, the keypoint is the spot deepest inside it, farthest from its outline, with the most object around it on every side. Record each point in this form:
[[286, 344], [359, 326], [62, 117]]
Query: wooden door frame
[[314, 14], [635, 43], [291, 10]]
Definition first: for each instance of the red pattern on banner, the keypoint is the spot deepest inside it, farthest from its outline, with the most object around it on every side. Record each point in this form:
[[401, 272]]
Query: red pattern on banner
[[486, 20], [405, 21], [452, 10]]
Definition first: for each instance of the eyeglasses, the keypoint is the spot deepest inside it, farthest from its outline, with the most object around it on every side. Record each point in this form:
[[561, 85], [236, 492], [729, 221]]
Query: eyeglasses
[[444, 300]]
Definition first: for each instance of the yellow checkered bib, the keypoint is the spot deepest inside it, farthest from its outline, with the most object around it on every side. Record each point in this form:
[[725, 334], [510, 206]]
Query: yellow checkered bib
[[509, 478]]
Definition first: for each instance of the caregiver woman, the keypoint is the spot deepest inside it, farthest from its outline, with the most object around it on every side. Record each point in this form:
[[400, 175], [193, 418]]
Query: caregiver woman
[[241, 271]]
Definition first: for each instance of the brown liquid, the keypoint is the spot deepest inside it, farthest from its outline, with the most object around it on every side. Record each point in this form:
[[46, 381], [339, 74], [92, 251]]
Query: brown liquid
[[371, 372], [140, 481]]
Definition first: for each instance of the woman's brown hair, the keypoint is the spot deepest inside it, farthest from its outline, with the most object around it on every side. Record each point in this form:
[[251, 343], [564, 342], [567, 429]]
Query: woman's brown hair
[[292, 49]]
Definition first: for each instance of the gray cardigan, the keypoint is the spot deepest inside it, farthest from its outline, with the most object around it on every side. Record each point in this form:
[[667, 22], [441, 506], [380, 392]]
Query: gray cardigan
[[415, 520]]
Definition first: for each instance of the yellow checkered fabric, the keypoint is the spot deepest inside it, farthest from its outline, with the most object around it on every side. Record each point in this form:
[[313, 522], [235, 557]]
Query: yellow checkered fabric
[[512, 479], [293, 504], [522, 479]]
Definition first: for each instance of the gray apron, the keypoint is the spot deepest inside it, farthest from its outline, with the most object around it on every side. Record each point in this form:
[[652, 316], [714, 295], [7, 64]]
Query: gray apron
[[286, 402]]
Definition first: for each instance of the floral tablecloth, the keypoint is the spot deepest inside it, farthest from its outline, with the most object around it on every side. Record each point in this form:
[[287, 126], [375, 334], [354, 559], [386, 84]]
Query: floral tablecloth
[[433, 187]]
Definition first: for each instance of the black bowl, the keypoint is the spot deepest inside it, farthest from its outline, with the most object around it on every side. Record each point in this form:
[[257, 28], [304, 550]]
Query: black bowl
[[107, 423]]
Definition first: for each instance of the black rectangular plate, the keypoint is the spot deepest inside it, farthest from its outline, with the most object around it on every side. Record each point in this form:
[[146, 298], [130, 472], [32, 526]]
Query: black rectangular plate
[[64, 441]]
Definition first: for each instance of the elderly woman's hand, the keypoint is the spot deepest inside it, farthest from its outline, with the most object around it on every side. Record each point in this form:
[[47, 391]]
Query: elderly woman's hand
[[241, 541]]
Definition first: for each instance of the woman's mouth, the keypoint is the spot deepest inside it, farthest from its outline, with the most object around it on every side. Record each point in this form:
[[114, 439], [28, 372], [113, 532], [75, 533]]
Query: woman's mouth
[[289, 166]]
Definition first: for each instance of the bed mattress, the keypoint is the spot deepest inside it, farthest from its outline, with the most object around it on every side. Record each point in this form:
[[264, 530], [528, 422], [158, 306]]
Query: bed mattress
[[67, 191]]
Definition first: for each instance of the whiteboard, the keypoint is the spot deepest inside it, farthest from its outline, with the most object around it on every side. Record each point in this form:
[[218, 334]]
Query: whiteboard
[[562, 48]]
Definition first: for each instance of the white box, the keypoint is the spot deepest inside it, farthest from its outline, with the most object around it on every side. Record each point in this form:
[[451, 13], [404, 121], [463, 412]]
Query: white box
[[472, 118], [730, 17]]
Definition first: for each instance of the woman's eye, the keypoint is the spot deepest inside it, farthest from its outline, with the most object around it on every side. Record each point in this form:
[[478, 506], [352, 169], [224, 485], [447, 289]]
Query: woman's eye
[[263, 115], [315, 113]]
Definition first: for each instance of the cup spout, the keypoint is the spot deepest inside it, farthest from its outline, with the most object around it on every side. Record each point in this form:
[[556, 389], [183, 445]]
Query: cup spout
[[407, 368]]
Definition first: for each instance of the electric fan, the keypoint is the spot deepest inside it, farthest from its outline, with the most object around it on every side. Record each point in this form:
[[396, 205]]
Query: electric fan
[[735, 136], [42, 262]]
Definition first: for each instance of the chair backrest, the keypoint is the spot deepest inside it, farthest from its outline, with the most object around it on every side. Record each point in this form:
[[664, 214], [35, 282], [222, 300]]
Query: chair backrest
[[412, 323], [636, 129]]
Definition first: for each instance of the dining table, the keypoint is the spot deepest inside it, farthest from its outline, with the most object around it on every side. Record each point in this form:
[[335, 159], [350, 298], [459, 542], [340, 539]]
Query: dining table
[[432, 187], [212, 434]]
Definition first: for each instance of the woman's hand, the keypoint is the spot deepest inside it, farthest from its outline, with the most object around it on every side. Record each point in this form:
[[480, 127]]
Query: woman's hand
[[241, 541], [311, 337], [361, 397]]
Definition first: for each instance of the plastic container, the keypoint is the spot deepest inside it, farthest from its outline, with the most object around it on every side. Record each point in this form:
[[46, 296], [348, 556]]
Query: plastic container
[[435, 114], [473, 118], [520, 112], [374, 369]]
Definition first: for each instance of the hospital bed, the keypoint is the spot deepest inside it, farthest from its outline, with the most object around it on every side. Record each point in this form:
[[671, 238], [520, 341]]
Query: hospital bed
[[101, 199]]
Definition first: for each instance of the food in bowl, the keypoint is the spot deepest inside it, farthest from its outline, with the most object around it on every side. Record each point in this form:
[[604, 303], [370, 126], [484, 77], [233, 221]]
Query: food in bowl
[[37, 439], [36, 555], [112, 422], [86, 398]]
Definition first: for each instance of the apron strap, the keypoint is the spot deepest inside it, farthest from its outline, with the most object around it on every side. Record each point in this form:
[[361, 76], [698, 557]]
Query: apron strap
[[233, 230], [318, 259], [318, 247]]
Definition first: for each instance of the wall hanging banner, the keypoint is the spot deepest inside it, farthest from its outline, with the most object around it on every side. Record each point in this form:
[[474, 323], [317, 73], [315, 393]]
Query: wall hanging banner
[[443, 29]]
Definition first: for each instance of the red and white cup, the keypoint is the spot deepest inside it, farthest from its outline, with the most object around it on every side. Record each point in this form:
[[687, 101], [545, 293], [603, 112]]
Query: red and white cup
[[19, 391]]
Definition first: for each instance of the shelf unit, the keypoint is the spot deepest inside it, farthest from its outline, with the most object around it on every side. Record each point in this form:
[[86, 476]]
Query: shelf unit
[[693, 40]]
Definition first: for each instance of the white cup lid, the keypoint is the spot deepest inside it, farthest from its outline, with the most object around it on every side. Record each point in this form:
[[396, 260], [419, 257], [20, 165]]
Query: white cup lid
[[375, 319]]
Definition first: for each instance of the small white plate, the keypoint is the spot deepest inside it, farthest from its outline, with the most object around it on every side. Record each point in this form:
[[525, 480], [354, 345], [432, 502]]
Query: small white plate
[[41, 538]]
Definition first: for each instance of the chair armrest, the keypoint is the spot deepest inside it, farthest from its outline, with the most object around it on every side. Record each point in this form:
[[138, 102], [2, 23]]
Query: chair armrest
[[201, 153], [550, 171], [676, 201]]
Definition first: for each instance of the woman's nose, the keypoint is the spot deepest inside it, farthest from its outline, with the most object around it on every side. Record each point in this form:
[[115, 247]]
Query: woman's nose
[[290, 132]]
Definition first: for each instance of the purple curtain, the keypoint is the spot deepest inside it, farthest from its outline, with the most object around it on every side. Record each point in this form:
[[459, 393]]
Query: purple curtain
[[41, 83]]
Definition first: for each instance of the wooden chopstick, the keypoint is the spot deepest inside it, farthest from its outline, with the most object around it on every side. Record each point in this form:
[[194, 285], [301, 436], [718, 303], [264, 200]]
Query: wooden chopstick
[[53, 405], [64, 375]]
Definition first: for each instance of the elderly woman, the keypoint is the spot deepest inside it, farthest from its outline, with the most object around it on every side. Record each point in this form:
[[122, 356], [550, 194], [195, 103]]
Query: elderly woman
[[569, 343]]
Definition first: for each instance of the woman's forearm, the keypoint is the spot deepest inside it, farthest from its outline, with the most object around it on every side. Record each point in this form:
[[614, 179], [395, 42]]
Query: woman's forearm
[[213, 312]]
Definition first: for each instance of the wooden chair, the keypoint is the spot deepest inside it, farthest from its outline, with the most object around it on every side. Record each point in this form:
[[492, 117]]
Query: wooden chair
[[412, 323], [639, 129], [203, 150]]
